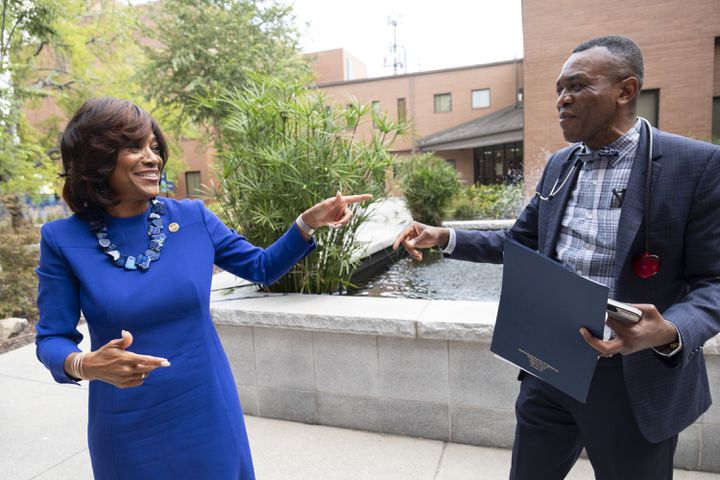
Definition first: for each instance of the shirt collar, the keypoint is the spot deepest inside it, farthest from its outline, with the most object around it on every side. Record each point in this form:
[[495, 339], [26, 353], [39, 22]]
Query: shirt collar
[[628, 142], [617, 149]]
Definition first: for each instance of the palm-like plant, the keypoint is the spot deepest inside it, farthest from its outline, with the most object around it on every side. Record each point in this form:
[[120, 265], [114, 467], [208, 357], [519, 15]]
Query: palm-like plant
[[282, 148]]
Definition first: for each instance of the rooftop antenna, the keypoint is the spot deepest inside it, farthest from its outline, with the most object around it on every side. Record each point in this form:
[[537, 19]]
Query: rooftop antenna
[[395, 61]]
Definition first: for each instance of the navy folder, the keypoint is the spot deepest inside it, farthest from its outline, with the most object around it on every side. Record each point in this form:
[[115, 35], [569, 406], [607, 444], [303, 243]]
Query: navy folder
[[542, 307]]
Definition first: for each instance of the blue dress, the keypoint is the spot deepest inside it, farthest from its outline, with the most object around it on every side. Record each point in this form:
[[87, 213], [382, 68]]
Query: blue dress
[[185, 421]]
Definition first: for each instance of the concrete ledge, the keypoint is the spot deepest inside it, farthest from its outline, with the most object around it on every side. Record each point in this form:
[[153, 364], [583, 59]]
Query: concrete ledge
[[480, 224], [413, 367], [405, 318], [324, 313], [408, 318], [458, 321]]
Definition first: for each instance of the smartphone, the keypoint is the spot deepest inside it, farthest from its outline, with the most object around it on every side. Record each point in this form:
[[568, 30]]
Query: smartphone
[[623, 312]]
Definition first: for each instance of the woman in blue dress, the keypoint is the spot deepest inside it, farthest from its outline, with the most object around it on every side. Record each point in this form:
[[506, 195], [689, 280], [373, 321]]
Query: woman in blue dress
[[163, 403]]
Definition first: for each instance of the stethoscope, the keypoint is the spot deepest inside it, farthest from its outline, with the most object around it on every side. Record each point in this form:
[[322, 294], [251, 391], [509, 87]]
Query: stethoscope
[[647, 264]]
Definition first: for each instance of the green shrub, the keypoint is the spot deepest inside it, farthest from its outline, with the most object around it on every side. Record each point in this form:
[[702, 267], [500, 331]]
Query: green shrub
[[488, 202], [429, 184], [282, 149], [19, 255]]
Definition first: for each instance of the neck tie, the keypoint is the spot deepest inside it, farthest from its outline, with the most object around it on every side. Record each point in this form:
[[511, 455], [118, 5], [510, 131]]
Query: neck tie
[[606, 153]]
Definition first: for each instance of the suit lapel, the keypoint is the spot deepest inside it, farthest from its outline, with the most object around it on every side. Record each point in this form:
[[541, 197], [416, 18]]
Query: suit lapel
[[631, 216], [556, 206]]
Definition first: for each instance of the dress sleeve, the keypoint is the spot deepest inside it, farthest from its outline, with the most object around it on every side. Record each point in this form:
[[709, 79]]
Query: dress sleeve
[[59, 308], [239, 257]]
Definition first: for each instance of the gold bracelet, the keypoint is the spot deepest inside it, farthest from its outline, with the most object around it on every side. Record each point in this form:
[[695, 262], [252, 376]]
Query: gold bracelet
[[80, 366], [76, 366]]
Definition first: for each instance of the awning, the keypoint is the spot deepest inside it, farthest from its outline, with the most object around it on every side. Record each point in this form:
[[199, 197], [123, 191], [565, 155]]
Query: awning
[[503, 126]]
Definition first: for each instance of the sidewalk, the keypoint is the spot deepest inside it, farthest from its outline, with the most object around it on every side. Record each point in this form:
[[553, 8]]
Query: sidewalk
[[42, 436]]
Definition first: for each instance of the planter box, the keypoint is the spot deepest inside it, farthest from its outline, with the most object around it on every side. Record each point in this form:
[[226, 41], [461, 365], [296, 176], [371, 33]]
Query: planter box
[[421, 368]]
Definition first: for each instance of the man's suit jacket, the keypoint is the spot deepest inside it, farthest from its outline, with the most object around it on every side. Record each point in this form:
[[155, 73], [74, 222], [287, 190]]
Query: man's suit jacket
[[667, 394]]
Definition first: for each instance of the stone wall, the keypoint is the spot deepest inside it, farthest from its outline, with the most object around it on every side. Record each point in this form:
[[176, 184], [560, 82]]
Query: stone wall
[[413, 367]]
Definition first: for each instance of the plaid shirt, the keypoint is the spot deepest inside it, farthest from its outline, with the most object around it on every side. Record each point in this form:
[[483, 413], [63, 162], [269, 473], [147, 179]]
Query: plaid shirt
[[588, 233], [589, 226]]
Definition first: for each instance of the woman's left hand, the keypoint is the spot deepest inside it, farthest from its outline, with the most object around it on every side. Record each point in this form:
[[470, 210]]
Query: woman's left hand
[[332, 212]]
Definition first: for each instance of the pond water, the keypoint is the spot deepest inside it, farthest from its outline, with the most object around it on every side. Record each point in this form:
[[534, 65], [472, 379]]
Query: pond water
[[435, 278]]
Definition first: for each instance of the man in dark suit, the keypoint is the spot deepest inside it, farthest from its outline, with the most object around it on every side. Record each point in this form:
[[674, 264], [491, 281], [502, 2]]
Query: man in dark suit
[[659, 251]]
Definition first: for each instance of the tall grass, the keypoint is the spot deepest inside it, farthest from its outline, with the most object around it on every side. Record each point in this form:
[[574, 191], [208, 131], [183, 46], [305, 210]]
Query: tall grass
[[282, 149]]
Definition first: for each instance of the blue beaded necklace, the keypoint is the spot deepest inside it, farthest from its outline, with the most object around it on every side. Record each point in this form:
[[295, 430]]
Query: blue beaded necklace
[[142, 260]]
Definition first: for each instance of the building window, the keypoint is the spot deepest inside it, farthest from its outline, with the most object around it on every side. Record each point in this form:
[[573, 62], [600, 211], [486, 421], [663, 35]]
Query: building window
[[481, 98], [402, 110], [192, 184], [375, 111], [716, 120], [350, 119], [647, 105], [502, 163], [452, 162], [443, 103]]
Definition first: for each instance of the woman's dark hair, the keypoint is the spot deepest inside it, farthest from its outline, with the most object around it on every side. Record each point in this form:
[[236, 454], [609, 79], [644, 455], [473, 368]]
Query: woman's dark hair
[[90, 145]]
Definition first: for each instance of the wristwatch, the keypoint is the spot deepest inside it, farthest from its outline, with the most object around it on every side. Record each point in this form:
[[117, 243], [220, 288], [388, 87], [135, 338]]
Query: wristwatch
[[668, 348], [304, 227], [672, 348]]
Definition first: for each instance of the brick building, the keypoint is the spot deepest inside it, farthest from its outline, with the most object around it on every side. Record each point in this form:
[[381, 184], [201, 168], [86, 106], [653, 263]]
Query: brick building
[[680, 41], [495, 119], [336, 65], [681, 49], [438, 100]]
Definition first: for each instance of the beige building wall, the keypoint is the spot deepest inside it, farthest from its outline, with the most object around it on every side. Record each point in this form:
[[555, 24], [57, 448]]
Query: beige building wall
[[419, 90], [678, 43], [199, 158], [46, 108], [328, 65], [354, 68], [336, 65], [463, 160]]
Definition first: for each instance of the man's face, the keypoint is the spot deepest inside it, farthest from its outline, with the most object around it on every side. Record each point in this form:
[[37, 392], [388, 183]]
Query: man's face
[[588, 90]]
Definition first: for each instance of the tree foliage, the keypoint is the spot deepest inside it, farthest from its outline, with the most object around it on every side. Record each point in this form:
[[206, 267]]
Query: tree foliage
[[25, 26], [202, 47], [161, 55], [88, 48]]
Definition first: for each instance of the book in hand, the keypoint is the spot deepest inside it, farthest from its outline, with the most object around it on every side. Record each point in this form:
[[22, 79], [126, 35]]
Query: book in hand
[[542, 307]]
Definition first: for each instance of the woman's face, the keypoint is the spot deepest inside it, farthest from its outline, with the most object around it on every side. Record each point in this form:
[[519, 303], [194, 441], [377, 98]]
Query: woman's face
[[137, 173]]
